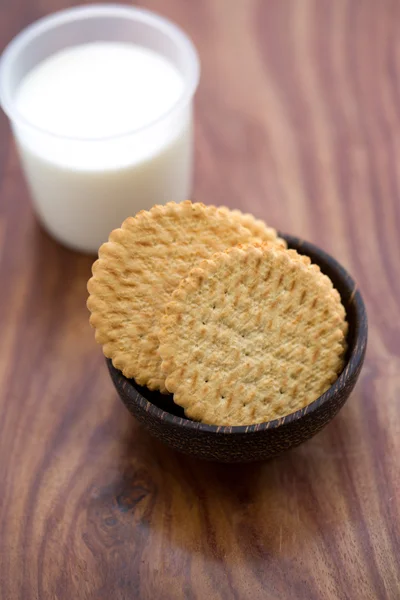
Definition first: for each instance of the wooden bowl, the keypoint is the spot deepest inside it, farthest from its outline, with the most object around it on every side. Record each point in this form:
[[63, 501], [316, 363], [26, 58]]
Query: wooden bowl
[[166, 421]]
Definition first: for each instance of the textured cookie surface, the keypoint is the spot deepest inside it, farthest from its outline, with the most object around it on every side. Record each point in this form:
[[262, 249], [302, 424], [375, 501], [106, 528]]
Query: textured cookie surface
[[252, 334], [139, 267], [257, 227]]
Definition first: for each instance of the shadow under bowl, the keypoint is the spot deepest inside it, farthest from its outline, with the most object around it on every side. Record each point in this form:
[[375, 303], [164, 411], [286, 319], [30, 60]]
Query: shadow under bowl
[[166, 421]]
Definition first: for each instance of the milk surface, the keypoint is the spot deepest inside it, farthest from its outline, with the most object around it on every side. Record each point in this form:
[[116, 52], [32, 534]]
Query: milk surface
[[111, 141]]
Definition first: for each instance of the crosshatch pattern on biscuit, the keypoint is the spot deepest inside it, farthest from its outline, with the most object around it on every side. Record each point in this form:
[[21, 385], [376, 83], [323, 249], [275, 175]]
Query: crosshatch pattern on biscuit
[[253, 334], [140, 266]]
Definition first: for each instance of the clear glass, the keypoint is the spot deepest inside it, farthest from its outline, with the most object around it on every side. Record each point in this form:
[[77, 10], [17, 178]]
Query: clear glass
[[79, 204]]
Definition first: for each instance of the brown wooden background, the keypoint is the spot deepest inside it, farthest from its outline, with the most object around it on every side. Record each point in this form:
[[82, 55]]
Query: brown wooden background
[[298, 120]]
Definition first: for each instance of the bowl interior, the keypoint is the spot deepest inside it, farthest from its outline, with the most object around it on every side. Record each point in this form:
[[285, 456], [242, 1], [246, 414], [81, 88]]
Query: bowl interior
[[357, 333]]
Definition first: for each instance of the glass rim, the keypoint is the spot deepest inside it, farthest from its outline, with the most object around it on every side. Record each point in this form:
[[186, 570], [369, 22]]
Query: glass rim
[[80, 13]]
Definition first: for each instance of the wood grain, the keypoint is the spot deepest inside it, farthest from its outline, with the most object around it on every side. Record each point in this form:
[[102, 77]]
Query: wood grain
[[298, 120]]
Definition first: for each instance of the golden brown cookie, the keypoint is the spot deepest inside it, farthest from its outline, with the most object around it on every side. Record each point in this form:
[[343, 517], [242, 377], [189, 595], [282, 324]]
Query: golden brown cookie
[[258, 228], [139, 267], [252, 334]]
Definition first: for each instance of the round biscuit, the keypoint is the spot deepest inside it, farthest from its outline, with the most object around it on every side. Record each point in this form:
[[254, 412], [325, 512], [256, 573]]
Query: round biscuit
[[140, 266], [252, 334]]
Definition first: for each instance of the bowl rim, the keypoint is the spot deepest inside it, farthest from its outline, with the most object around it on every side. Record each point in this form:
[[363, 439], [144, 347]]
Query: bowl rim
[[350, 370]]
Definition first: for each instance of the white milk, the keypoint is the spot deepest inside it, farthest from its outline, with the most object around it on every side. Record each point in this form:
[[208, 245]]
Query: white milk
[[94, 164]]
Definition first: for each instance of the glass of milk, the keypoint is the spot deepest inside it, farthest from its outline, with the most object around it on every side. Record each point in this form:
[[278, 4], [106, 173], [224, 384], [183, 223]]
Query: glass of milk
[[100, 103]]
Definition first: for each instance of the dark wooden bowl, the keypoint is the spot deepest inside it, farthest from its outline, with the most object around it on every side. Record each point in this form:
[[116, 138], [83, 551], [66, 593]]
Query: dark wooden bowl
[[166, 421]]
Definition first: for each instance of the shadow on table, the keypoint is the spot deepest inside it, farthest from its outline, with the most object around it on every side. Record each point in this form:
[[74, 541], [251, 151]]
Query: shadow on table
[[230, 513], [54, 271]]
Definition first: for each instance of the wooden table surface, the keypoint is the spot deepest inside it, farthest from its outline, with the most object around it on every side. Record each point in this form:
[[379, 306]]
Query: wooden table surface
[[298, 120]]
